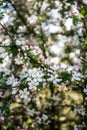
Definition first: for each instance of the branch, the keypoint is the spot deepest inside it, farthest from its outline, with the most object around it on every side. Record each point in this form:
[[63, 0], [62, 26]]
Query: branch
[[24, 21], [6, 30], [18, 47]]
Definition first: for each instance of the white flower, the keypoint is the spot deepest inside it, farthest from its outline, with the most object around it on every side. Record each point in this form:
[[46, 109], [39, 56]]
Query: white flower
[[54, 28], [44, 117], [76, 76], [18, 60], [31, 112], [35, 74], [6, 71], [39, 120], [10, 80], [32, 85], [54, 78], [55, 67], [56, 98], [24, 93], [44, 6], [55, 14], [14, 91], [15, 83], [7, 20], [68, 24], [33, 19], [27, 101], [21, 29], [6, 42], [2, 50], [33, 77], [84, 1], [28, 79], [51, 28], [18, 42], [74, 9], [23, 75], [85, 90], [75, 127]]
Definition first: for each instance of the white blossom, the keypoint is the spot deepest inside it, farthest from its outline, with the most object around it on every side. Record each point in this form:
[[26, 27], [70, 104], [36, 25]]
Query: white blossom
[[10, 80], [54, 28], [32, 85], [18, 60], [24, 93], [85, 91], [44, 117], [33, 19], [68, 24], [75, 127], [31, 112], [76, 76], [54, 78], [14, 90]]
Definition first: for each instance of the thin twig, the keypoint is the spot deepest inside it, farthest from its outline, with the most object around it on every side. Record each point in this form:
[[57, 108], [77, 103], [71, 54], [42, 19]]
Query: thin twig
[[5, 28]]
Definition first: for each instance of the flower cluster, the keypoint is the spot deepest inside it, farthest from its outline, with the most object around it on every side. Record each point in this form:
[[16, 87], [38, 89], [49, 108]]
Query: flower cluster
[[34, 77], [42, 119]]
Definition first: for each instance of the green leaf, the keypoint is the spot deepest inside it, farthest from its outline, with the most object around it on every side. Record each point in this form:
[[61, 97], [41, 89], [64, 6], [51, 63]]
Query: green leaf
[[4, 108], [75, 20], [83, 10], [65, 76], [2, 81], [84, 69], [1, 60], [14, 51]]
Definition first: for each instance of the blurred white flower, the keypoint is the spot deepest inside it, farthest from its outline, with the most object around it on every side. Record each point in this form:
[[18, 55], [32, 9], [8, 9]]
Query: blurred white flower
[[18, 42], [14, 91], [32, 85], [27, 101], [76, 76], [74, 9], [84, 1], [6, 42], [24, 93], [10, 80], [44, 6], [75, 127], [85, 91], [15, 83], [33, 19], [7, 20], [39, 120], [55, 14], [44, 117], [54, 28], [19, 60], [54, 78], [31, 112], [21, 29], [2, 49], [68, 24], [51, 28]]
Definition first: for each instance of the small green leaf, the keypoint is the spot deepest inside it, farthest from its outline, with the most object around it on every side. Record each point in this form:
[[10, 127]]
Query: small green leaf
[[83, 11], [15, 52], [84, 69], [3, 108], [1, 60], [2, 81], [75, 20]]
